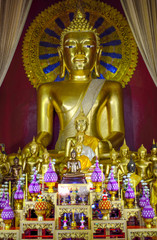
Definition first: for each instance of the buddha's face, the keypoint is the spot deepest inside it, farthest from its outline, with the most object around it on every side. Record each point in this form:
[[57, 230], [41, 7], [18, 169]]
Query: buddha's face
[[81, 125], [113, 156], [142, 154], [154, 151], [124, 152], [79, 52], [34, 150]]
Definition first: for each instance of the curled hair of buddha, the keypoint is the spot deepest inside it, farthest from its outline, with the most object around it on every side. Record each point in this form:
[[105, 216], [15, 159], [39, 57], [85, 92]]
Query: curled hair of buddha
[[81, 116], [79, 24]]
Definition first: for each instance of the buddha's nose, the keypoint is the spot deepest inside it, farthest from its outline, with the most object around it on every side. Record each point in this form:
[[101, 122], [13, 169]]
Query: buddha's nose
[[79, 49]]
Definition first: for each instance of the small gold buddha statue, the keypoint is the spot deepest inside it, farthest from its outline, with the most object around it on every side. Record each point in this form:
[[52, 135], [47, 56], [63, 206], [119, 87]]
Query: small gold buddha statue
[[4, 166], [114, 161], [124, 157], [32, 158], [74, 174], [153, 156], [80, 53], [143, 166], [153, 188], [89, 143]]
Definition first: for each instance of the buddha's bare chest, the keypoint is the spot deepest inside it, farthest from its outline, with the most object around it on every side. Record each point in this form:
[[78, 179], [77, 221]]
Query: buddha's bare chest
[[68, 96]]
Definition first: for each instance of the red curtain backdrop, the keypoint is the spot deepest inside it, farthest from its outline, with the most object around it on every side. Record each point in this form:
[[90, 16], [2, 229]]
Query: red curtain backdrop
[[19, 109]]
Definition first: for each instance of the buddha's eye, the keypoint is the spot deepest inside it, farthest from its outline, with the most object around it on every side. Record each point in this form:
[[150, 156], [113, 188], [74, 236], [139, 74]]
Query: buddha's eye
[[88, 46], [70, 46]]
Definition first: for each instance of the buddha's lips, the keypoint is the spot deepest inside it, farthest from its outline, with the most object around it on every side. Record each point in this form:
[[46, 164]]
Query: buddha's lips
[[80, 58]]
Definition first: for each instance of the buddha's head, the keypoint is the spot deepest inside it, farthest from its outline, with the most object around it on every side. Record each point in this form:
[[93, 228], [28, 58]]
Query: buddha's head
[[124, 149], [16, 161], [113, 155], [80, 48], [142, 152], [81, 122], [34, 147], [154, 148], [73, 154]]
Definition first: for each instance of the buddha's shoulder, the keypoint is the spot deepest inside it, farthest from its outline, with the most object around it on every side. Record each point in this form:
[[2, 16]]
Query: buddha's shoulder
[[112, 84]]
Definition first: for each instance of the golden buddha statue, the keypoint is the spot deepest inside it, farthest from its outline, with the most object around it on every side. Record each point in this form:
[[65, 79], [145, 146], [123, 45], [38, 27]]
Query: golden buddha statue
[[80, 53], [124, 157], [153, 156], [143, 166], [153, 188], [114, 161], [32, 157], [4, 166], [89, 144]]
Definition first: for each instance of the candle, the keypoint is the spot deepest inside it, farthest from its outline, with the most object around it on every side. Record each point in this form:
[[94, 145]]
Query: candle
[[9, 191], [26, 186], [24, 199]]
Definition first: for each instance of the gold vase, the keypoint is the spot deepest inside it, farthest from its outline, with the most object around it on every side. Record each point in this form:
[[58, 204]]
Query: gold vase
[[97, 186], [7, 224], [130, 202], [105, 213], [18, 204], [50, 186], [148, 222], [113, 193]]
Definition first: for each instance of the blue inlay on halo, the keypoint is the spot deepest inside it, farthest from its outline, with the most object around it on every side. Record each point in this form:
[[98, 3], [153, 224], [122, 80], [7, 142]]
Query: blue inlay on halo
[[112, 55], [47, 56], [101, 76], [58, 79], [107, 32], [71, 16], [48, 44], [60, 23], [98, 22], [87, 16], [108, 66], [50, 68], [52, 33], [111, 43]]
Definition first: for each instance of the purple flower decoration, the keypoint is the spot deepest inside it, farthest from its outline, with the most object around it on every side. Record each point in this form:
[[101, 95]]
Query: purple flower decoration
[[142, 201], [112, 183], [148, 211], [34, 187], [97, 175], [7, 212], [19, 193], [129, 192], [50, 175]]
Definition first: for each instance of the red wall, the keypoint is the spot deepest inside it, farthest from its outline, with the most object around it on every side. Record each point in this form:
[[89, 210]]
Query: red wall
[[18, 100]]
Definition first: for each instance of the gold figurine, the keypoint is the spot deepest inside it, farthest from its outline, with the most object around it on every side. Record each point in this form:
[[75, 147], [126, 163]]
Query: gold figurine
[[143, 166]]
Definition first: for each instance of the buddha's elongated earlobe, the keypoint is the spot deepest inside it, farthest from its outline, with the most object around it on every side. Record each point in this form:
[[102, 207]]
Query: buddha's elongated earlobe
[[62, 63], [97, 62]]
